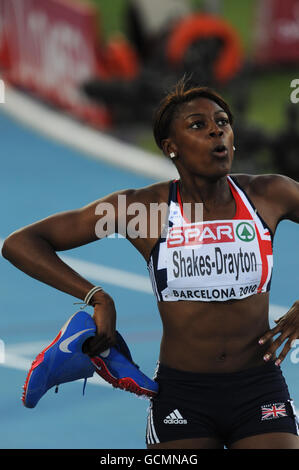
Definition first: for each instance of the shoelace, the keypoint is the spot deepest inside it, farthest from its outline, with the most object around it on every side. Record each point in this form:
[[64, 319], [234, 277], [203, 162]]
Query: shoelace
[[84, 386]]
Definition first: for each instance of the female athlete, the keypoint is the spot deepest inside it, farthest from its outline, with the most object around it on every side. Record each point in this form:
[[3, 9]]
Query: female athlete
[[220, 381]]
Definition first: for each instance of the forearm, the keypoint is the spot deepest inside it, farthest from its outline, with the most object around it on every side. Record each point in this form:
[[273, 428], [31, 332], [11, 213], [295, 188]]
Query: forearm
[[37, 258]]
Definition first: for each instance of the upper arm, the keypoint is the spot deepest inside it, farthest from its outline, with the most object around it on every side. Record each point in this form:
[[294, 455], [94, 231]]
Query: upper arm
[[280, 193], [74, 228], [286, 194], [99, 219]]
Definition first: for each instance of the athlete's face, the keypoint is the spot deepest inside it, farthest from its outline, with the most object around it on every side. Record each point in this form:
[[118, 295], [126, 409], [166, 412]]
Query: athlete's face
[[202, 138]]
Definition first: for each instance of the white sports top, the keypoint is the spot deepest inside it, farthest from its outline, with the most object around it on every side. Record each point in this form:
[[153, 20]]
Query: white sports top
[[214, 260]]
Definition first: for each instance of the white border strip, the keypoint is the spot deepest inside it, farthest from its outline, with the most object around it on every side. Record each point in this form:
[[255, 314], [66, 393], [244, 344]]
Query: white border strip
[[101, 273], [93, 143]]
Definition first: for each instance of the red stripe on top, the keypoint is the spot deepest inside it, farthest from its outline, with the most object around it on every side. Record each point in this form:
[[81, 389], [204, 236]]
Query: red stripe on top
[[265, 246], [180, 204], [242, 213]]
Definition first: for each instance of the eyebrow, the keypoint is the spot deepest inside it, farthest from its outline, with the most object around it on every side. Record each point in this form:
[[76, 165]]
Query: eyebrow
[[202, 114]]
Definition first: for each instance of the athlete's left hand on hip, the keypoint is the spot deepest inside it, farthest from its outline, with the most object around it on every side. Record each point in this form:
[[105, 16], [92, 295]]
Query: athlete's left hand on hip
[[288, 329]]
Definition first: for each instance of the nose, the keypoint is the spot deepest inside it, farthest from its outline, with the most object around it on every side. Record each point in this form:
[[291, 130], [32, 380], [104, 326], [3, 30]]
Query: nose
[[215, 131]]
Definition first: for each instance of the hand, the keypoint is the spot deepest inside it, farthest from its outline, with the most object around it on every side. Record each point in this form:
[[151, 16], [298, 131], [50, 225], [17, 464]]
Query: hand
[[105, 320], [288, 329]]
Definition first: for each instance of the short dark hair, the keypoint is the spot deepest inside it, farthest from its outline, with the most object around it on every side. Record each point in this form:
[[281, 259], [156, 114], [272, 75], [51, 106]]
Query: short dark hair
[[182, 93]]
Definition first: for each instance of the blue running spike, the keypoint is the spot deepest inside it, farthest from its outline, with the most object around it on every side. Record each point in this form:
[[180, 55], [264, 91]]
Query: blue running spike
[[61, 361]]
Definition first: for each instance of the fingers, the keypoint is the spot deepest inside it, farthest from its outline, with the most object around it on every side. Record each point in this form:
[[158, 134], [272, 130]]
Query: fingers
[[104, 317], [287, 327], [267, 336], [271, 352], [284, 352], [274, 346], [96, 344]]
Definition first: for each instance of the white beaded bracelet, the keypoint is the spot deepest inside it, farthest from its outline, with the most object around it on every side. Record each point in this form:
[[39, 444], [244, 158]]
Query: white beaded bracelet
[[89, 296]]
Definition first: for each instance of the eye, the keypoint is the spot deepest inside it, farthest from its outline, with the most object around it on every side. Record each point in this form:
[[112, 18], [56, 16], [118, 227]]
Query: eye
[[197, 125], [222, 121]]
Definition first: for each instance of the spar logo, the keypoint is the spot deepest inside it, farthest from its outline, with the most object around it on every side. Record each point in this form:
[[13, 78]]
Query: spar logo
[[202, 233], [245, 232]]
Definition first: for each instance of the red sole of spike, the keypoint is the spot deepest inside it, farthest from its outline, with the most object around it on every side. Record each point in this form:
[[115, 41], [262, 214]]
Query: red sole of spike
[[37, 361], [126, 383]]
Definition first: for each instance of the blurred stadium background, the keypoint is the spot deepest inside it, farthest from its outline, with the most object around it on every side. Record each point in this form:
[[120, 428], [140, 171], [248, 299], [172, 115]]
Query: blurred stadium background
[[82, 78]]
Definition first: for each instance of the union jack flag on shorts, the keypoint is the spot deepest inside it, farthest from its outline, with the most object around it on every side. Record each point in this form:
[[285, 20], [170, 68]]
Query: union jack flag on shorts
[[276, 410]]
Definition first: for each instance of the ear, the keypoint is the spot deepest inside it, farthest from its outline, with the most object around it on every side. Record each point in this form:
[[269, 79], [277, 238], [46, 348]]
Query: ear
[[168, 147]]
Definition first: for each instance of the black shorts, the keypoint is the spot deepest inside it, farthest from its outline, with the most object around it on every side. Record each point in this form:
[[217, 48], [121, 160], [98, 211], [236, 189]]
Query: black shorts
[[225, 406]]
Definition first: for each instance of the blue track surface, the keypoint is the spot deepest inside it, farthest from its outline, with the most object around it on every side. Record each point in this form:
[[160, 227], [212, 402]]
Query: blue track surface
[[40, 177]]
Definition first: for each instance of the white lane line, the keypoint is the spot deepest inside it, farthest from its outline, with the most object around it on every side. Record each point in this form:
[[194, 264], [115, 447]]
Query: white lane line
[[114, 276], [18, 362], [93, 143], [101, 273], [16, 355]]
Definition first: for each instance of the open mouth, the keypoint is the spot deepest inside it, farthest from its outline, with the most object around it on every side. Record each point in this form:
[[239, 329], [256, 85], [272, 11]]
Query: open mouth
[[220, 150]]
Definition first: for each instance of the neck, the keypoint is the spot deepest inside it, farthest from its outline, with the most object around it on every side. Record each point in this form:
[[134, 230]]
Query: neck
[[208, 191]]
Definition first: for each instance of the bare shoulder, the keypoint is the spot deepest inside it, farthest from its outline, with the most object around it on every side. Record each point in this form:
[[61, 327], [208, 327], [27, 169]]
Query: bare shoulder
[[243, 179], [280, 192], [154, 193], [278, 188], [269, 185], [272, 185]]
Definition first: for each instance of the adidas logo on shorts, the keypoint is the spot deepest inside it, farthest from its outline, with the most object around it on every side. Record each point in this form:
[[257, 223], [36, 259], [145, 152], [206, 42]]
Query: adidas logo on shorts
[[175, 418]]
